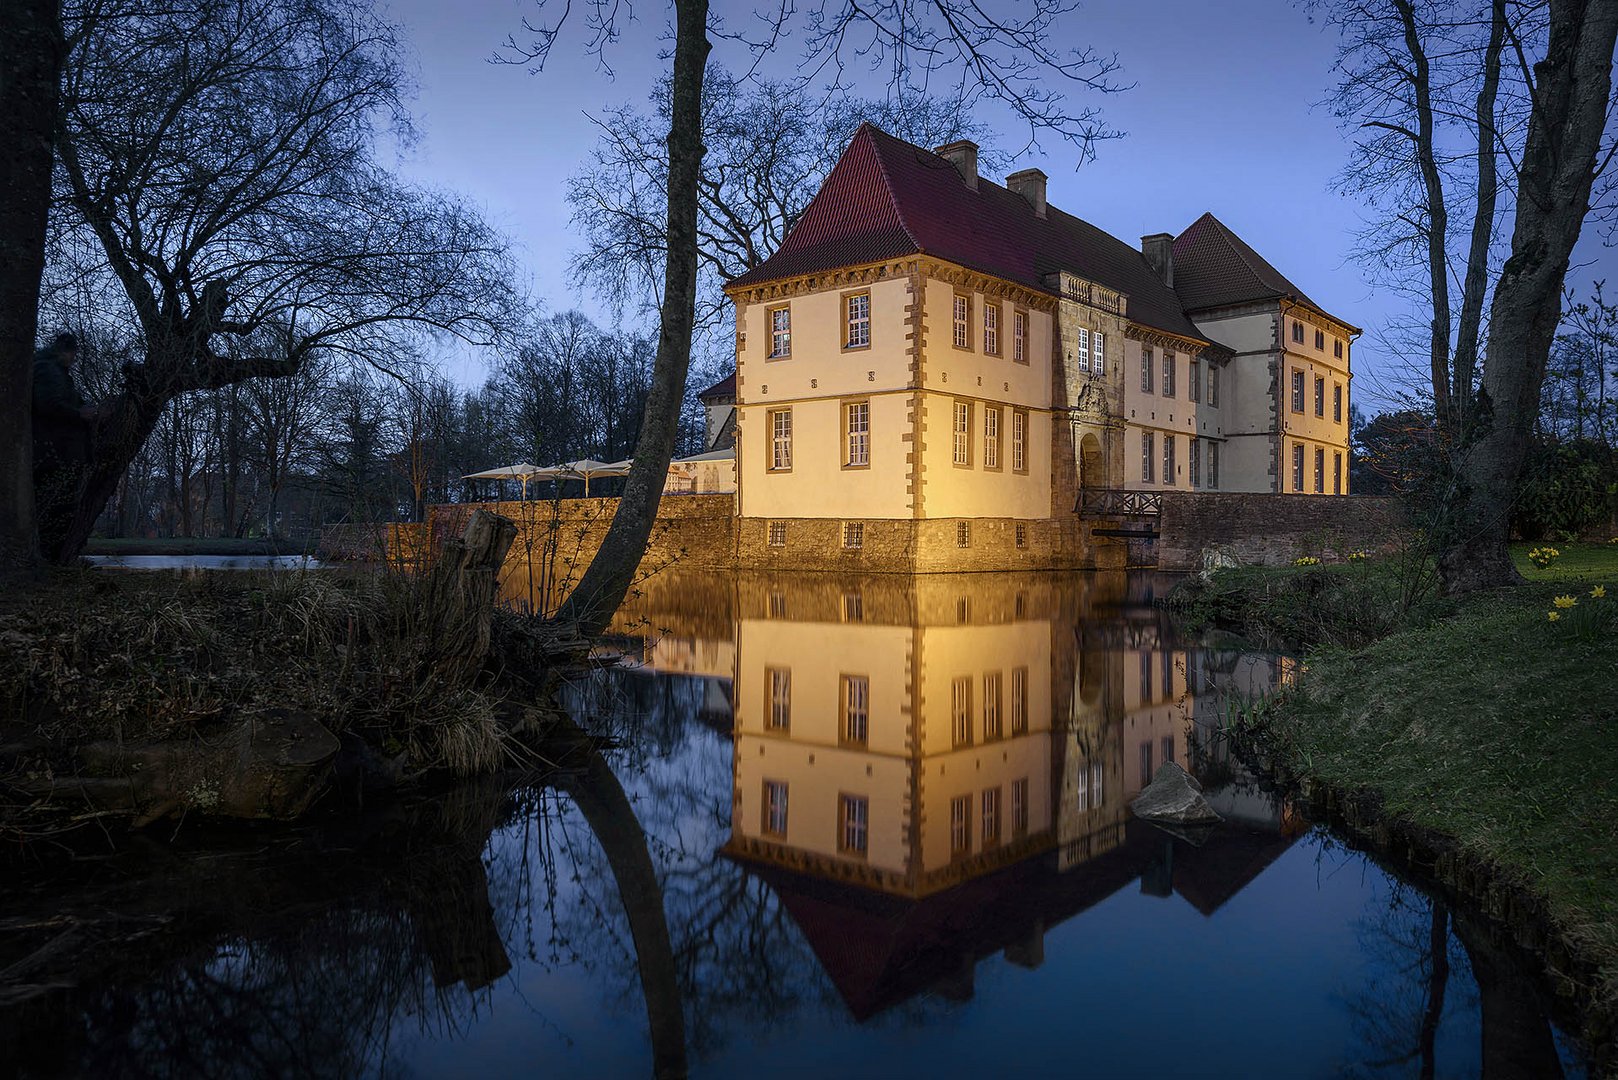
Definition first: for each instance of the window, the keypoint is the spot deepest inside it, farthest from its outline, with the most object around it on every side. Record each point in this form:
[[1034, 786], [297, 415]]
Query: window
[[1019, 440], [963, 321], [1146, 762], [1193, 380], [993, 725], [1166, 747], [780, 440], [780, 332], [1146, 362], [1196, 461], [1021, 532], [778, 605], [854, 814], [960, 707], [775, 808], [991, 437], [1168, 459], [1166, 658], [856, 709], [1019, 807], [853, 607], [1320, 340], [1019, 337], [963, 534], [1146, 670], [853, 534], [857, 445], [1098, 779], [1337, 348], [1320, 396], [989, 815], [778, 534], [963, 433], [1098, 350], [1320, 471], [1213, 386], [991, 328], [857, 316], [1337, 472], [1297, 390], [1019, 700], [960, 825], [1297, 332], [1337, 403], [1297, 466], [780, 684], [1146, 456], [1213, 465], [1081, 342], [1168, 374]]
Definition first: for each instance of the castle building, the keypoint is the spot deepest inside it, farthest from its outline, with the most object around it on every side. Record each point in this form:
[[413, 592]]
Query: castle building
[[938, 365]]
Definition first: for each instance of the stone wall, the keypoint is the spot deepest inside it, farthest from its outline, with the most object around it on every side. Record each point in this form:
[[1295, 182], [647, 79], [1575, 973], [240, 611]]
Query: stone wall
[[927, 546], [1272, 530]]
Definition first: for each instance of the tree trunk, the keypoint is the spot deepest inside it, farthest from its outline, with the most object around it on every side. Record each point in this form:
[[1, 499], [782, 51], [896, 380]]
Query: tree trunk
[[30, 72], [612, 571], [1572, 87], [1477, 257], [116, 442]]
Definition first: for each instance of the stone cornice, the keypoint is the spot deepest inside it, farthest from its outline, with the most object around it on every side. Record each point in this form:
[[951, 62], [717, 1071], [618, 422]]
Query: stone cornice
[[887, 270], [1148, 335]]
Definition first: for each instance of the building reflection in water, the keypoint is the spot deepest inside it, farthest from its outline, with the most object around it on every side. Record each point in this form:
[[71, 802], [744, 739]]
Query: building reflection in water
[[928, 770]]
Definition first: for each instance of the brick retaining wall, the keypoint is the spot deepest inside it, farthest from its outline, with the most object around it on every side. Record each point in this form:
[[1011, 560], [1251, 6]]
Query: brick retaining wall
[[1272, 530]]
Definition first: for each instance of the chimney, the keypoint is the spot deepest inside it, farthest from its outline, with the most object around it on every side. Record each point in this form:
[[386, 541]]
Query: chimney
[[1030, 184], [1159, 251], [963, 154]]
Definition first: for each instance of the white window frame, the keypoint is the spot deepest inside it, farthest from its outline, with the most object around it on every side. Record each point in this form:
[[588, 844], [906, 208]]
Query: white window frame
[[780, 332], [991, 437], [857, 320], [780, 440], [963, 433], [857, 434]]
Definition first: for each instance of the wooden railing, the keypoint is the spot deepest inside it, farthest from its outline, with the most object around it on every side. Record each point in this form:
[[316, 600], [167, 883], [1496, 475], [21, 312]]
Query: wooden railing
[[1117, 502]]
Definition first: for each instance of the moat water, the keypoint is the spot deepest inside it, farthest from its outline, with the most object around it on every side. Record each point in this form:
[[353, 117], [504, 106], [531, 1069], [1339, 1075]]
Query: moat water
[[851, 827]]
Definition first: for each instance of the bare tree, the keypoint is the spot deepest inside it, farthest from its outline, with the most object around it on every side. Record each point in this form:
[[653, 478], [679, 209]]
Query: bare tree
[[218, 168], [919, 44], [281, 415], [31, 47]]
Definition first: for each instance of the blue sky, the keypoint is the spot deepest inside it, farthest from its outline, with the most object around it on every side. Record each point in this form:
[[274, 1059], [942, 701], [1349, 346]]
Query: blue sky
[[1224, 116]]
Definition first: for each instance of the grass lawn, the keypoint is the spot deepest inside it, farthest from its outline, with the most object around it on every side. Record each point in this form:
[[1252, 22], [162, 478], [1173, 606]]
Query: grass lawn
[[1495, 725]]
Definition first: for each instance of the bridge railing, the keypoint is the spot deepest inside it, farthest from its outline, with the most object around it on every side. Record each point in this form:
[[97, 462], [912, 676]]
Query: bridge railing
[[1118, 502]]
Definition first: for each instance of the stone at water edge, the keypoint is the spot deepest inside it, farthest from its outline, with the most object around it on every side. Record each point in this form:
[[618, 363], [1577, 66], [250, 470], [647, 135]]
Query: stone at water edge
[[1174, 796]]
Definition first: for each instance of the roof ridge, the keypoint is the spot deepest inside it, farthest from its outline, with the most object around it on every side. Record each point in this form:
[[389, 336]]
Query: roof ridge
[[887, 180], [1236, 244]]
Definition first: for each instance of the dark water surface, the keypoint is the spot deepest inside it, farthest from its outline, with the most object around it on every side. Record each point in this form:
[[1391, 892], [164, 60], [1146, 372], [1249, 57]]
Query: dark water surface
[[858, 827]]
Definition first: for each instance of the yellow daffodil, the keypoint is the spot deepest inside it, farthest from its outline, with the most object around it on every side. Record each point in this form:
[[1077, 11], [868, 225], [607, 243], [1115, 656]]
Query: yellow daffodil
[[1553, 615], [1565, 602], [1599, 592]]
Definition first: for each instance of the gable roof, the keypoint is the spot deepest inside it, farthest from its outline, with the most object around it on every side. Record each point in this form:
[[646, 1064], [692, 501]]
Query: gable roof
[[724, 388], [887, 198], [1213, 268]]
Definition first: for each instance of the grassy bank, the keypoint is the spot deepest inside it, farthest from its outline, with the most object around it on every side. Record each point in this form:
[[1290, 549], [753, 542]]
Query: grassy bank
[[195, 545], [1487, 722]]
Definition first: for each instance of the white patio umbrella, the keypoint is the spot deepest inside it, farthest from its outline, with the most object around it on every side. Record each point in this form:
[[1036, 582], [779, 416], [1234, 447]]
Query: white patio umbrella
[[521, 472], [585, 468]]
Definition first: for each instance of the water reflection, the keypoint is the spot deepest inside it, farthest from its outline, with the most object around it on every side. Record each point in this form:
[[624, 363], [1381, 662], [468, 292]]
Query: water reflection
[[855, 825]]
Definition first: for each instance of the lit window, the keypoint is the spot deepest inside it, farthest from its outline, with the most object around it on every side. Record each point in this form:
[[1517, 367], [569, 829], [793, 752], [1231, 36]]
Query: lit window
[[1019, 440], [1021, 531], [1147, 360], [1168, 374], [853, 534], [780, 332], [963, 433], [1098, 777], [960, 708], [1019, 700], [780, 680], [859, 320], [1081, 343], [778, 534], [960, 825], [1297, 466], [991, 437], [1297, 390], [1019, 337], [991, 329], [1168, 459], [1019, 807], [992, 723], [855, 815], [781, 439], [1098, 349], [1146, 455], [963, 321], [858, 446], [963, 534], [775, 808], [990, 816], [856, 709]]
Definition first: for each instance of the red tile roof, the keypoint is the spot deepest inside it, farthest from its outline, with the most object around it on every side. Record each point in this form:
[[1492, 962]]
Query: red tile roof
[[724, 388], [887, 198], [1213, 268]]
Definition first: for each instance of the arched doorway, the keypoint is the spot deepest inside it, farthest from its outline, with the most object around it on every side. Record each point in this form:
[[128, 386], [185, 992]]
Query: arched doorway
[[1092, 465]]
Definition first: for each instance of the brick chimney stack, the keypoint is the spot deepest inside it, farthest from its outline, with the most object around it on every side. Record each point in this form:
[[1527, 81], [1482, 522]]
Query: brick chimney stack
[[1030, 184], [1159, 251], [963, 154]]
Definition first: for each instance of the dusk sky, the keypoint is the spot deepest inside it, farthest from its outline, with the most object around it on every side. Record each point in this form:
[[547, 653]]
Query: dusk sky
[[1224, 116]]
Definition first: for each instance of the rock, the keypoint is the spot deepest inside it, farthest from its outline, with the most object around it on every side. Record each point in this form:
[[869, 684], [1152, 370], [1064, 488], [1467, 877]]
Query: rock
[[1215, 559], [1174, 797]]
